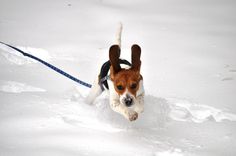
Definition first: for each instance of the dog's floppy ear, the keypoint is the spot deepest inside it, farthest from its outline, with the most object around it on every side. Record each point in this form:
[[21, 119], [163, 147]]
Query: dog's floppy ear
[[114, 54], [135, 57]]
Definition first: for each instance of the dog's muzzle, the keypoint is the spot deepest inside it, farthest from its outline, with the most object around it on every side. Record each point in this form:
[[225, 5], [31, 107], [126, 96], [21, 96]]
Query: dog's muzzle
[[128, 101]]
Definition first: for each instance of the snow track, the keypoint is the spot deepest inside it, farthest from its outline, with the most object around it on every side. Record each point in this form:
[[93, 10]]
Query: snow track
[[16, 87]]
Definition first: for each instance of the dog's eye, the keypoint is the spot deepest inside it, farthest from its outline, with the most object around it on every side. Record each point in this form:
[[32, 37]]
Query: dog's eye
[[133, 86], [119, 87]]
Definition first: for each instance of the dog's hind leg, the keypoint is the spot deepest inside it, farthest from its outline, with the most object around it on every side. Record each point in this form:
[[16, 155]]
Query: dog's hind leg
[[94, 92]]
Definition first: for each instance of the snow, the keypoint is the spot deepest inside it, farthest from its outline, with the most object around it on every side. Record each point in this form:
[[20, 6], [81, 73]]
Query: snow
[[188, 65], [16, 87]]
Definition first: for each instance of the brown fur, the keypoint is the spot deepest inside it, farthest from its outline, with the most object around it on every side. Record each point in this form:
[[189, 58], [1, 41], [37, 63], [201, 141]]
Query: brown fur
[[114, 54], [135, 57], [125, 78]]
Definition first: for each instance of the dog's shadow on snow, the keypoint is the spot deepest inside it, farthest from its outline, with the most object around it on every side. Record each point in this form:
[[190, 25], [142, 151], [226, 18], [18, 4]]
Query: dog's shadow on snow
[[155, 114]]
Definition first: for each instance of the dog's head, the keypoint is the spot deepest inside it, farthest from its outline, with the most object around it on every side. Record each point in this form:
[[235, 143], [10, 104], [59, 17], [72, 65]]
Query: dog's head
[[126, 81]]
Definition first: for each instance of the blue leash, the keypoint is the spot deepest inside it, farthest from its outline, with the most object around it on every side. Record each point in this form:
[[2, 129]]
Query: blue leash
[[50, 66]]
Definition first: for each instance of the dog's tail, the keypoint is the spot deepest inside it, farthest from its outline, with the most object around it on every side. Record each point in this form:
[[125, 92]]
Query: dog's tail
[[118, 35]]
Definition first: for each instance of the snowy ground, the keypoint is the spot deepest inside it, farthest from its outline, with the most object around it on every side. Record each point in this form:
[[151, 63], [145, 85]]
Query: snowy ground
[[189, 69]]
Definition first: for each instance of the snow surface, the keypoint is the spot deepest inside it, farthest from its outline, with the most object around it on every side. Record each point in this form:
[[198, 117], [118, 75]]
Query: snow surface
[[188, 64]]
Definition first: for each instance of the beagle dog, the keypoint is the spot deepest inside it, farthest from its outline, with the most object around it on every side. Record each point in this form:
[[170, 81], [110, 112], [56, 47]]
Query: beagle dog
[[125, 84]]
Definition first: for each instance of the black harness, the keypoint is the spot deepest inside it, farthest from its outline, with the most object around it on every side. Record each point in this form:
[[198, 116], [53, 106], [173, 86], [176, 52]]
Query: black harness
[[103, 77]]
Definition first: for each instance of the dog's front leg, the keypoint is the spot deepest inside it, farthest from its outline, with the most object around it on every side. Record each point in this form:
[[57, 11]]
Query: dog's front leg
[[123, 110]]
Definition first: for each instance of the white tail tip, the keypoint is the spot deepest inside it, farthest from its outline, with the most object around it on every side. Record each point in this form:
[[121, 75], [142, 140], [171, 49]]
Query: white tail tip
[[118, 35]]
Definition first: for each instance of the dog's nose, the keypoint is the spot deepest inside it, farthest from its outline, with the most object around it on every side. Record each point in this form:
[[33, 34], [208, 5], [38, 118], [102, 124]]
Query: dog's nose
[[128, 101]]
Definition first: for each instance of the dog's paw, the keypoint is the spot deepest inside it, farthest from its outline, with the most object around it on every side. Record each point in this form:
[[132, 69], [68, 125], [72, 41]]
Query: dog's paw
[[133, 115]]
